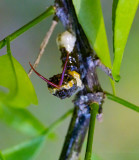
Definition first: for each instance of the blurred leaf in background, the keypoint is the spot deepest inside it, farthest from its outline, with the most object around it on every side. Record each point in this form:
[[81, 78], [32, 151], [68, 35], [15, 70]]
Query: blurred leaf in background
[[25, 151], [21, 119], [17, 89], [1, 156], [29, 150]]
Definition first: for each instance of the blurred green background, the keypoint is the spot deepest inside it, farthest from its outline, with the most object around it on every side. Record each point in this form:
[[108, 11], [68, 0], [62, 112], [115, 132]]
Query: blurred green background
[[117, 137]]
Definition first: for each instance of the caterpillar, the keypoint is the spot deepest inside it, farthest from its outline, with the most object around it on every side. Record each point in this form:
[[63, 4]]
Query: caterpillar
[[69, 81]]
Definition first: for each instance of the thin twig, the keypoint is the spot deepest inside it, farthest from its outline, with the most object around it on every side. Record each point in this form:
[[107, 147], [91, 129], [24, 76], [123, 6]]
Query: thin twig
[[43, 45]]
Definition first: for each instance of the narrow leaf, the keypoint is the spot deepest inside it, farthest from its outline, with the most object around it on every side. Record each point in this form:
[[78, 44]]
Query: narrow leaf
[[90, 16], [21, 119], [25, 151], [17, 89], [123, 102], [123, 15]]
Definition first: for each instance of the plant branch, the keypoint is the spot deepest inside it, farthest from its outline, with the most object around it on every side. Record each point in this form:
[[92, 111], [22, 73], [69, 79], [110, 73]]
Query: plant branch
[[122, 101], [91, 91], [43, 45], [94, 110], [75, 134], [38, 19], [8, 46]]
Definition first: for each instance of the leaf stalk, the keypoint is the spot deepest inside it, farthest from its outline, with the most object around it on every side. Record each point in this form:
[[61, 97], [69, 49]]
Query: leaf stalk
[[94, 110], [26, 27]]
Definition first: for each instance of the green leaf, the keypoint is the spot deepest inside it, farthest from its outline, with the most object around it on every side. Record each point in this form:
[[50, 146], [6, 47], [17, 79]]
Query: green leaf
[[29, 150], [25, 151], [1, 156], [21, 119], [90, 16], [123, 15], [123, 102], [17, 89]]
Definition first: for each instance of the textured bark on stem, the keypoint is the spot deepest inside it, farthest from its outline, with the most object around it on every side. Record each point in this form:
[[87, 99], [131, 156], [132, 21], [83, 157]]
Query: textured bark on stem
[[91, 91], [76, 134]]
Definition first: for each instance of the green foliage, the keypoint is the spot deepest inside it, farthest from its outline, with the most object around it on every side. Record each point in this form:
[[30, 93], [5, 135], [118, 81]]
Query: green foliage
[[123, 102], [122, 17], [94, 111], [25, 151], [21, 119], [29, 150], [90, 16], [1, 156], [17, 90]]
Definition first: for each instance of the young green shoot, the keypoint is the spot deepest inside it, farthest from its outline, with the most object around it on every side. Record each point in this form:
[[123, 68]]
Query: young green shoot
[[94, 110]]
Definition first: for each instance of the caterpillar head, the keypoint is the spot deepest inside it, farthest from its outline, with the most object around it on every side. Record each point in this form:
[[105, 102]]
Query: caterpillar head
[[70, 84], [67, 89]]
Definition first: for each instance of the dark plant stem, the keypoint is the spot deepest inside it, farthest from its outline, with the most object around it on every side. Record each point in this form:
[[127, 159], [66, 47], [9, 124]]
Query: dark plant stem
[[76, 134], [91, 92], [94, 111], [26, 27]]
